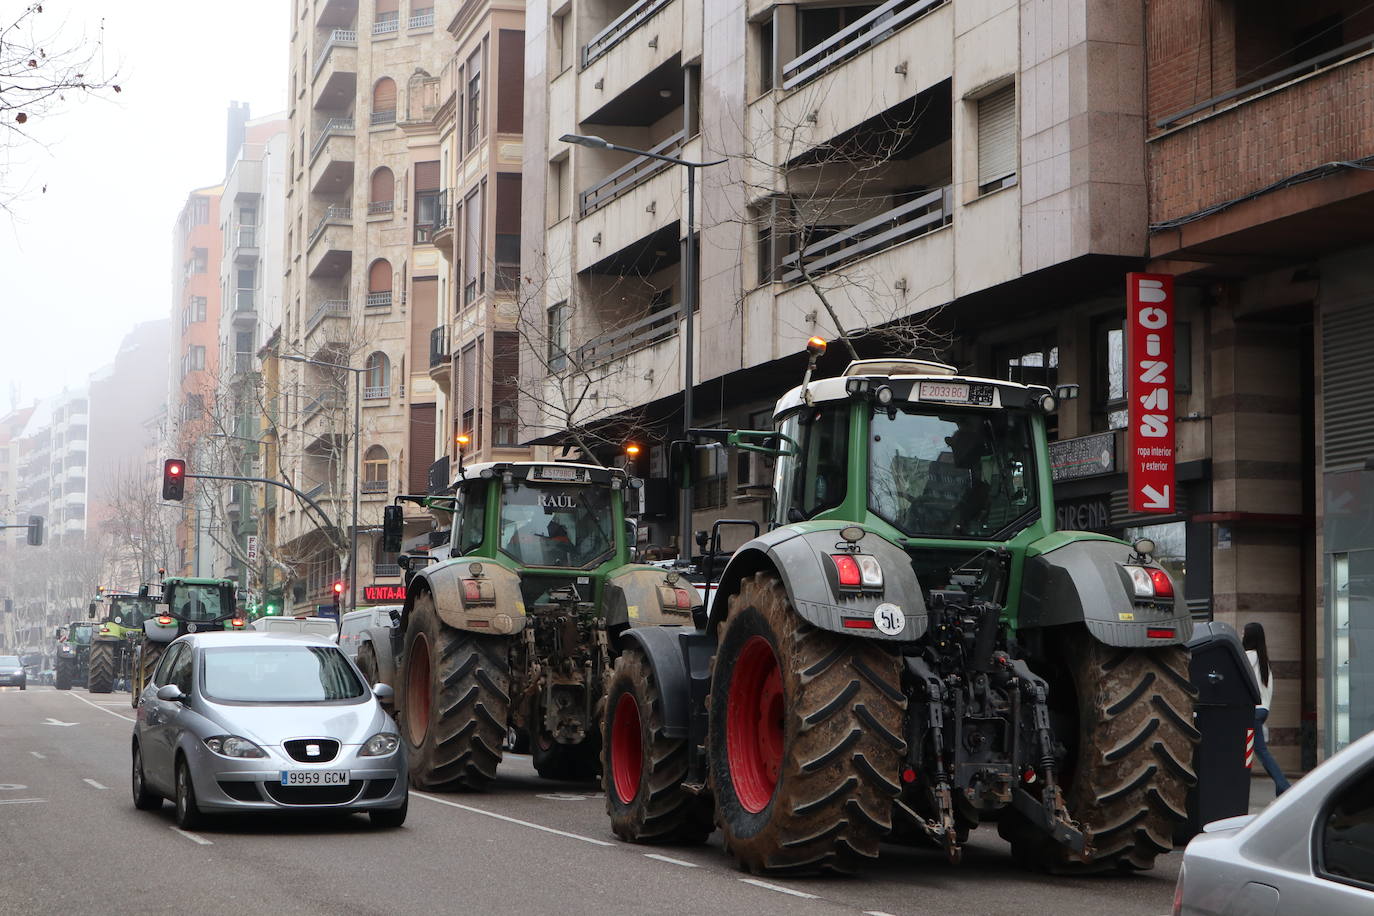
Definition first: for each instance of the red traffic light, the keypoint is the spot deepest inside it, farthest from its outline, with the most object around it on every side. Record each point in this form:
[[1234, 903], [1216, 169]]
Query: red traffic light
[[174, 469], [338, 588], [173, 479]]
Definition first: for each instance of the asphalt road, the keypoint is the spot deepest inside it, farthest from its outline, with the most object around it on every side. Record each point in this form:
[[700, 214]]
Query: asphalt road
[[72, 843]]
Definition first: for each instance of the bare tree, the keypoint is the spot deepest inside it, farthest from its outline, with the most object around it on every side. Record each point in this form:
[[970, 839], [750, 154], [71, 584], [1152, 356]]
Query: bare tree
[[139, 537], [40, 69]]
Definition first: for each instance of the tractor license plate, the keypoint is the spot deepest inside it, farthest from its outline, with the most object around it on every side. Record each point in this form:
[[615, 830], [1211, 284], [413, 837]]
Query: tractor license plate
[[944, 391], [314, 777]]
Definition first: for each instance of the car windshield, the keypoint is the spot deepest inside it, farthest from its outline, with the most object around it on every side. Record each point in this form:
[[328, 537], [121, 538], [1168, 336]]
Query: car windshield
[[952, 474], [199, 602], [9, 661], [565, 526], [80, 634], [278, 674], [131, 612]]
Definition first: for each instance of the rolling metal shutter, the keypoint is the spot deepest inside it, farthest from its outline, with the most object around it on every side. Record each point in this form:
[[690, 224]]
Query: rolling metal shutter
[[997, 136], [421, 447], [1347, 377]]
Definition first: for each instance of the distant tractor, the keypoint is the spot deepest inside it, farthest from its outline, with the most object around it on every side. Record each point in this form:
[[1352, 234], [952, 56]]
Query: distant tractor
[[117, 635], [911, 651], [72, 665], [193, 605]]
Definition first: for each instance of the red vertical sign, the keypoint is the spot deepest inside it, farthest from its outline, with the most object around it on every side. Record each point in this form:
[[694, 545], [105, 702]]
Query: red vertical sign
[[1150, 391]]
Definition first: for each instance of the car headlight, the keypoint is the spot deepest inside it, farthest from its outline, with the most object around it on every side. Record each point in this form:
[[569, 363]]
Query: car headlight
[[234, 746], [380, 745]]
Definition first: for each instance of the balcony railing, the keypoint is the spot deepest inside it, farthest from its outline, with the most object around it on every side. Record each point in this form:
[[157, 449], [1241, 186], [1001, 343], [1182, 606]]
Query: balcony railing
[[243, 363], [334, 214], [380, 300], [373, 486], [324, 310], [854, 39], [926, 213], [422, 19], [331, 127], [329, 400], [438, 347], [386, 116], [243, 300], [380, 207], [385, 570], [248, 236], [650, 329], [631, 175], [339, 38], [376, 392], [386, 23], [620, 29]]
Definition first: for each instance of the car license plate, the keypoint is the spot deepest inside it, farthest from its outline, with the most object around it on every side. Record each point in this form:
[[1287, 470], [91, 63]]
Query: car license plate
[[944, 391], [314, 777]]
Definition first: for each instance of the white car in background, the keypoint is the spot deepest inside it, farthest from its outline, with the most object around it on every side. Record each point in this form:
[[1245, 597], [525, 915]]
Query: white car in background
[[313, 626]]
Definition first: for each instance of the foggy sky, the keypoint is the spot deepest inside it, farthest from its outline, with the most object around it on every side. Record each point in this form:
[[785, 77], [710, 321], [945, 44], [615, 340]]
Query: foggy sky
[[84, 262]]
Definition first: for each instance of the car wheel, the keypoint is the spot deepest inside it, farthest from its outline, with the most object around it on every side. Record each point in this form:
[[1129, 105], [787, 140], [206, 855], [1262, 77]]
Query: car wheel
[[144, 800], [389, 818], [188, 815]]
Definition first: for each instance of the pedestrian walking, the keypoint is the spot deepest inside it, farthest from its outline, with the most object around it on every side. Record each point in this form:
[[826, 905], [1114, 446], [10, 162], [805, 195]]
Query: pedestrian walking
[[1258, 652]]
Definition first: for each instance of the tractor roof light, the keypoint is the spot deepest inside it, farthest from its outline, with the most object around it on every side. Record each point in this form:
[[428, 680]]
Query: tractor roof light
[[164, 620], [237, 623]]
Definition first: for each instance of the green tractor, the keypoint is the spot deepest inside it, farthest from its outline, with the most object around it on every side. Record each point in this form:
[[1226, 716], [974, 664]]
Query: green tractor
[[193, 605], [911, 651], [507, 633], [112, 650], [72, 664]]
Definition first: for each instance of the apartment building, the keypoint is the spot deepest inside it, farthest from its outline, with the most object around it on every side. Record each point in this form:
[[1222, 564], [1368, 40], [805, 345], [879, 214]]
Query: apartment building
[[475, 343], [53, 456], [196, 254], [12, 427], [362, 162]]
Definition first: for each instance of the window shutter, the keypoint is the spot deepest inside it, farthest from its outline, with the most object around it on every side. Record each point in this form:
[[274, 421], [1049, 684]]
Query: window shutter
[[379, 277], [383, 186], [384, 95], [510, 81], [391, 6], [505, 387], [1347, 434], [996, 136], [427, 176], [421, 447]]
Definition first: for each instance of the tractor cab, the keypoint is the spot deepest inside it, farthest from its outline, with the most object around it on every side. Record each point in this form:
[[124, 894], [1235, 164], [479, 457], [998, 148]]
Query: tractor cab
[[194, 605], [129, 611], [80, 633]]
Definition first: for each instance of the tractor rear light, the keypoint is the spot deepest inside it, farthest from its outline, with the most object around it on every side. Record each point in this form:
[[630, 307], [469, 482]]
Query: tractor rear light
[[237, 623], [870, 570], [471, 590], [847, 571], [164, 621], [908, 775], [683, 598], [1160, 632], [1163, 585], [858, 623], [1141, 582]]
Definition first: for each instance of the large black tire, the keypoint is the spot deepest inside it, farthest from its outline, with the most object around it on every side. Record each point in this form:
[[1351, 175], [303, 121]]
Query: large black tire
[[566, 761], [642, 769], [101, 667], [804, 739], [64, 672], [149, 654], [454, 701], [1131, 762]]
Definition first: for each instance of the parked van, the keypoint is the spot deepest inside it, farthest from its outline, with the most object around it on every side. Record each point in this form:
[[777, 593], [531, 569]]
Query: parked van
[[315, 626], [355, 625]]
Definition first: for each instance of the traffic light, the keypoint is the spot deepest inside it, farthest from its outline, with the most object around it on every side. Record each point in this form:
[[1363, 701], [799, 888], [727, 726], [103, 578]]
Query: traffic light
[[173, 478], [34, 535], [338, 594]]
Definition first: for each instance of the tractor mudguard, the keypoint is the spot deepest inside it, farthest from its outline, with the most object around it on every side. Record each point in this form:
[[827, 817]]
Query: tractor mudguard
[[680, 658], [632, 598], [157, 632], [502, 610], [1082, 582], [801, 559]]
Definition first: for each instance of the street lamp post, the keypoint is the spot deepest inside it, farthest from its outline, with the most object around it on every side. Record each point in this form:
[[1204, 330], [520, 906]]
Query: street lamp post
[[357, 436], [689, 305]]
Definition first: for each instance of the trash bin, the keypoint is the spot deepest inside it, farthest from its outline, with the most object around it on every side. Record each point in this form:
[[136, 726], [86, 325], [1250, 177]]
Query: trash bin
[[1225, 711]]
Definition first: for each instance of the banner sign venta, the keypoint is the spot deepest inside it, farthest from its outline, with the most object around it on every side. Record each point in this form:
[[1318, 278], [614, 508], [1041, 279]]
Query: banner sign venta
[[1150, 392]]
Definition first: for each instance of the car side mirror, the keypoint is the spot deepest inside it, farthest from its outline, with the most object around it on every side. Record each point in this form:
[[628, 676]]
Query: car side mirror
[[170, 693], [383, 692]]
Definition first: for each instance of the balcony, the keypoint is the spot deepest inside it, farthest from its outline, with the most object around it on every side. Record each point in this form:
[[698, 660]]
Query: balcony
[[651, 329], [381, 207], [854, 39], [373, 487], [378, 302], [932, 210], [336, 13], [383, 117], [329, 253], [421, 19], [324, 404], [329, 308], [442, 232], [244, 363], [245, 308], [332, 156], [246, 245], [628, 64], [386, 24], [621, 28], [629, 176], [376, 392], [334, 83], [637, 201], [386, 570]]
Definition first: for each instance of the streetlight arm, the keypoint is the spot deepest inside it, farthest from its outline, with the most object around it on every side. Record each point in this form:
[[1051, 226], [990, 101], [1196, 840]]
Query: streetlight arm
[[662, 158]]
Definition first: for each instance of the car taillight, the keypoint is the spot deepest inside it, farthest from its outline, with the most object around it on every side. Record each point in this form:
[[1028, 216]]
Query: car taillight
[[1164, 586], [847, 570], [165, 621], [471, 590]]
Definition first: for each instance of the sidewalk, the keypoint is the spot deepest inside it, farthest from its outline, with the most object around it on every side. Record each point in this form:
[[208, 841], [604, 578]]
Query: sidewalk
[[1261, 791]]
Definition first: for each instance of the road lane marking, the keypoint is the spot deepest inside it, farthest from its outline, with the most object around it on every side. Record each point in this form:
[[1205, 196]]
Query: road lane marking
[[11, 787], [193, 837], [512, 820], [101, 708], [779, 888], [38, 755], [876, 913], [21, 801], [51, 721], [93, 784], [670, 860]]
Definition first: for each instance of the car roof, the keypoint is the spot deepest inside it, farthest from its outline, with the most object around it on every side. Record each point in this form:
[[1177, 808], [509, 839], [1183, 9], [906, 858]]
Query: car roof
[[252, 638]]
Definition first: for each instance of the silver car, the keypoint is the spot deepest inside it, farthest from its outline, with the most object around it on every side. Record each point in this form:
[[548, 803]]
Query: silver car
[[242, 722], [1310, 851]]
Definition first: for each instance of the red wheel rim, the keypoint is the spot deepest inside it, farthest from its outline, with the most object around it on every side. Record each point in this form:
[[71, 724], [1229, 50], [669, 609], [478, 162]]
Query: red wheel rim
[[417, 690], [753, 725], [626, 749]]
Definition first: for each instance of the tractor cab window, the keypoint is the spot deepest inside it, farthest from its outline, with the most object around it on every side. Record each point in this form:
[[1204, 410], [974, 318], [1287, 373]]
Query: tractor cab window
[[955, 474], [565, 526], [80, 634], [469, 524], [815, 478], [199, 602], [131, 612]]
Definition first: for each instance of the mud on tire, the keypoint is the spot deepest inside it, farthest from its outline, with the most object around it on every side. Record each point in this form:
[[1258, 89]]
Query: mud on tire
[[641, 768], [1129, 780], [829, 734], [101, 666], [453, 707]]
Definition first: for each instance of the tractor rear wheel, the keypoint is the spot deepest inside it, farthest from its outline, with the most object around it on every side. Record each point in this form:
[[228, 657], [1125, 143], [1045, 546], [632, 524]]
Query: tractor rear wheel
[[454, 701], [100, 678], [64, 672], [804, 737], [149, 654], [642, 768], [367, 663], [1128, 780]]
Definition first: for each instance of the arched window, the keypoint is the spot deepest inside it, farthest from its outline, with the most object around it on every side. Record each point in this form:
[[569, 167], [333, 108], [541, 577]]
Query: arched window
[[377, 382], [381, 198], [374, 469], [384, 101], [379, 284]]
